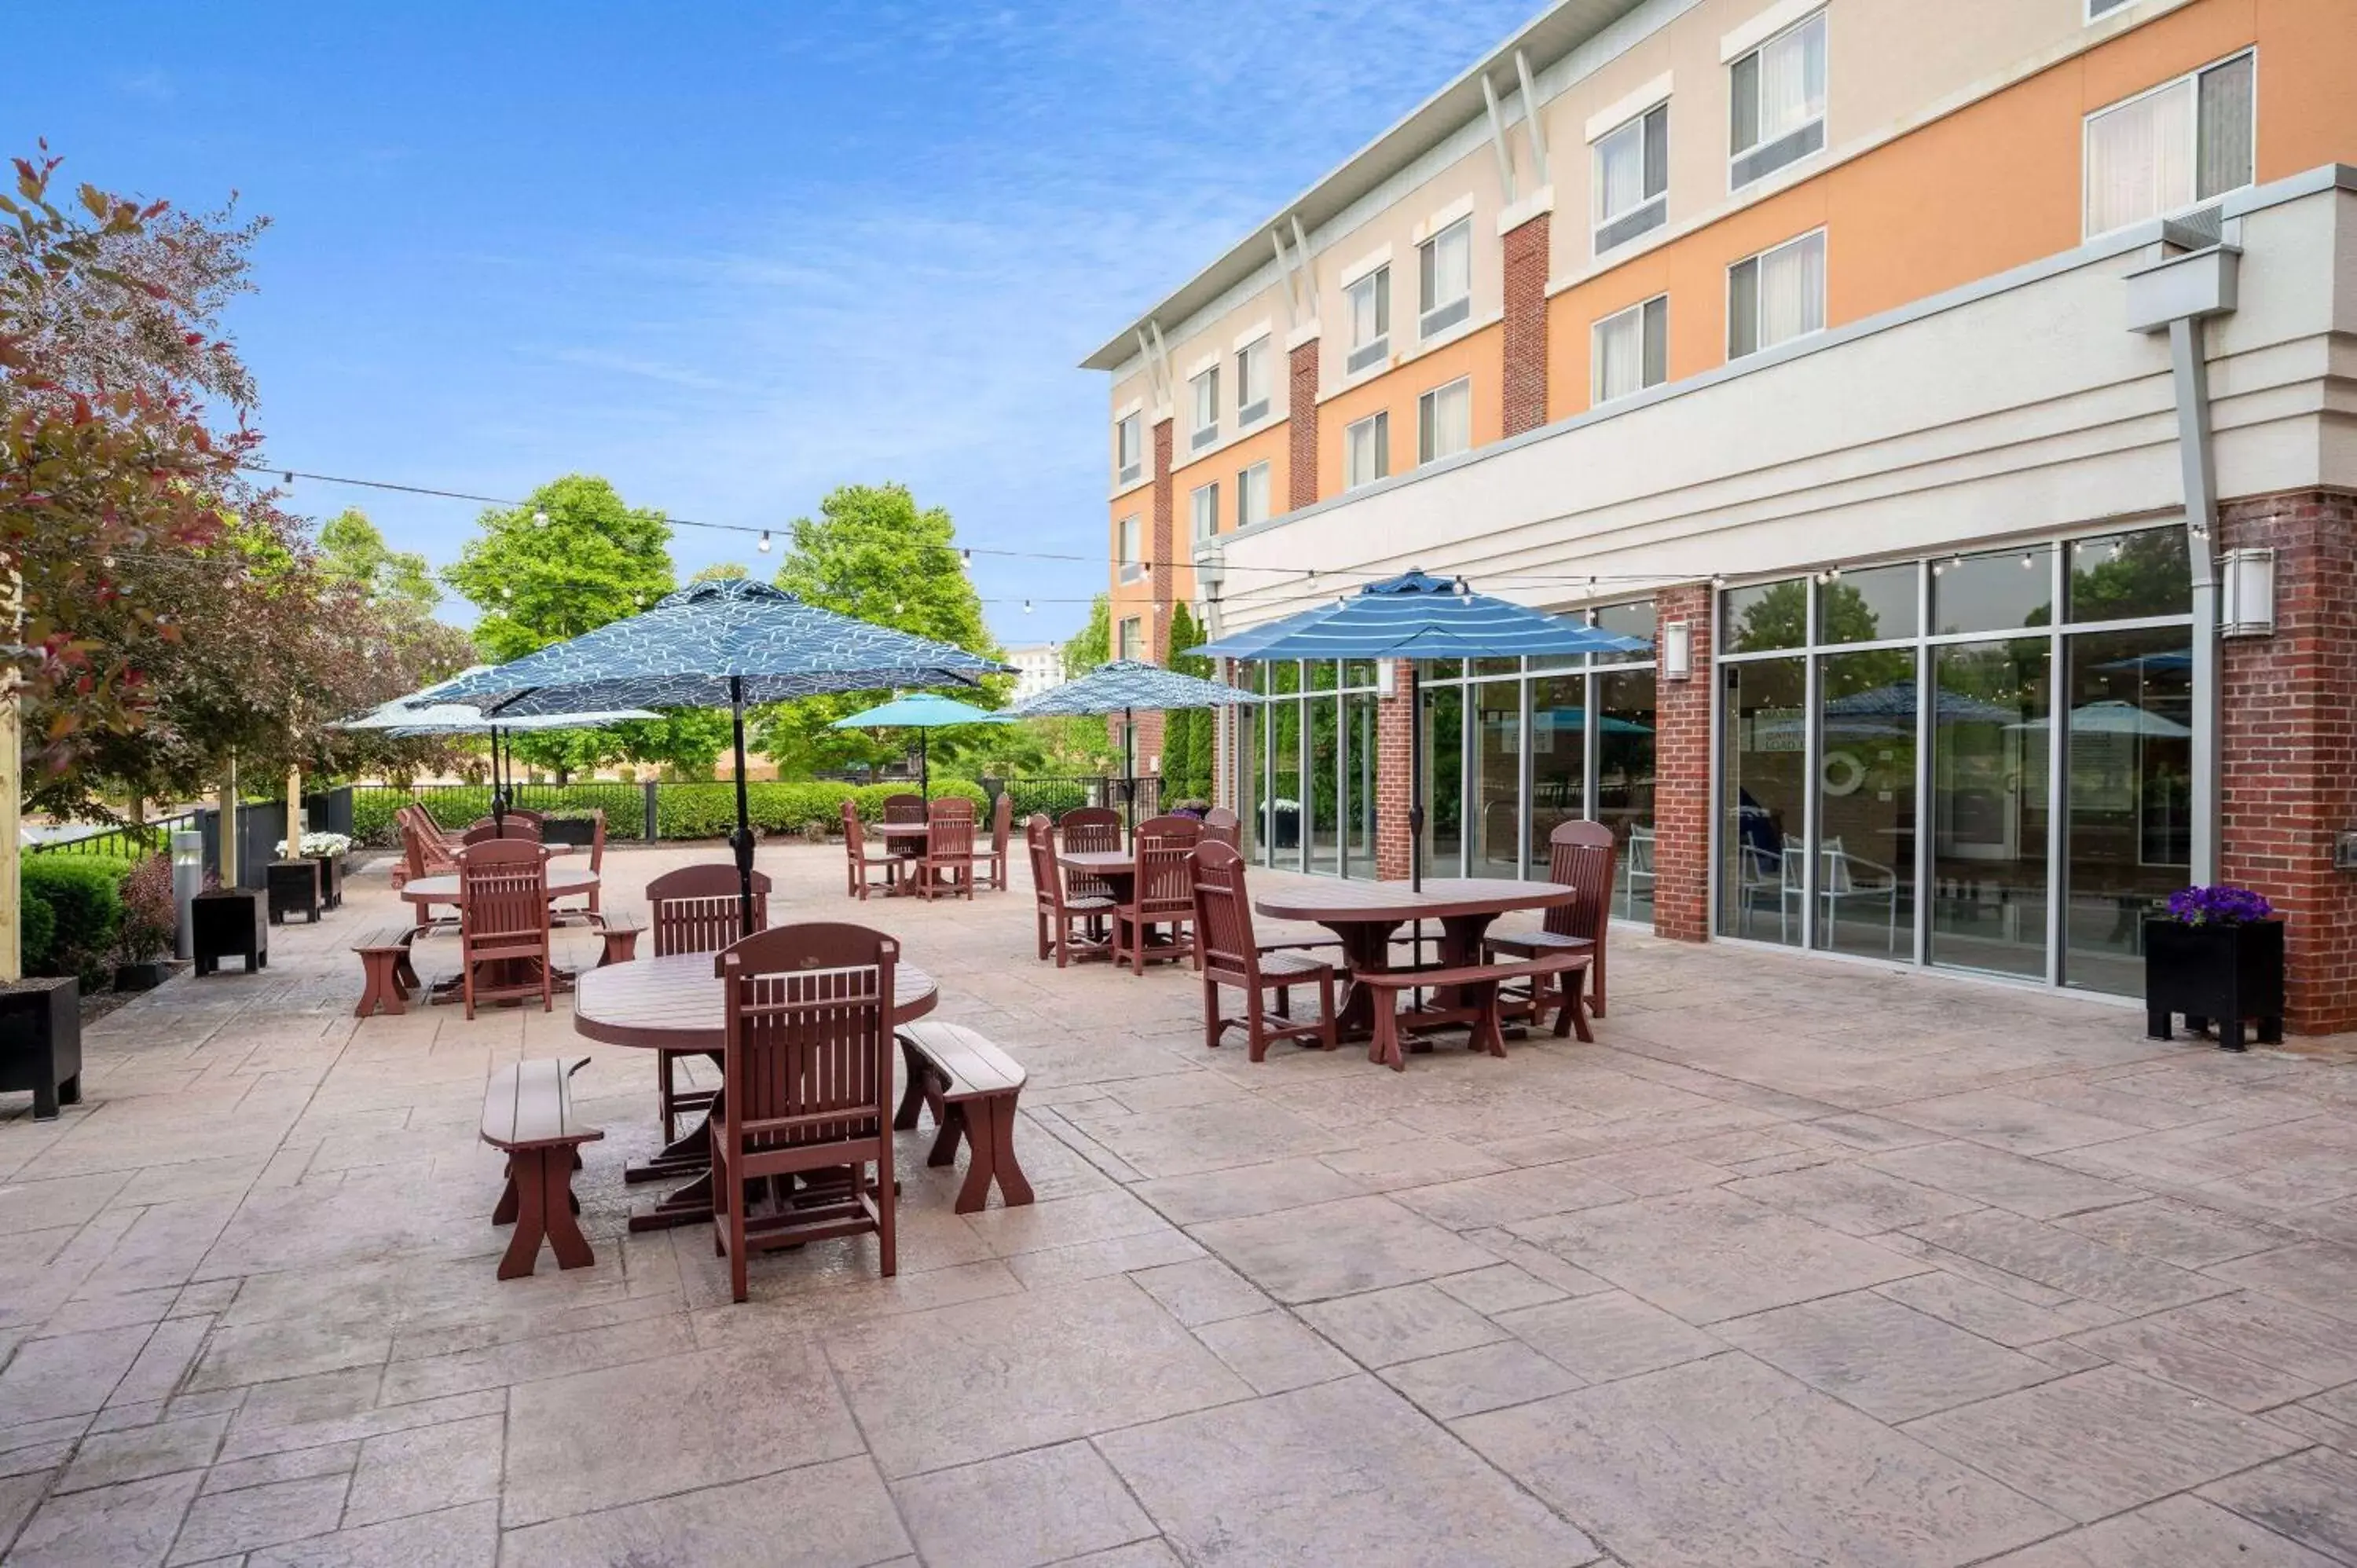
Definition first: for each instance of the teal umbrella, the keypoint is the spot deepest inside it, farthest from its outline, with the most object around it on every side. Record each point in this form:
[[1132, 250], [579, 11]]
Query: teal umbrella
[[921, 711]]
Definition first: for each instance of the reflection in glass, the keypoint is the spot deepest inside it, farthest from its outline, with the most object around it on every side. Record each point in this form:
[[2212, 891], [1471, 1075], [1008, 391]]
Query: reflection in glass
[[1444, 779], [1322, 795], [1773, 614], [2122, 575], [1875, 606], [1635, 619], [1359, 781], [1989, 810], [1997, 592], [1281, 815], [1624, 782], [1558, 760], [1866, 804], [2129, 762], [1498, 739], [1763, 802], [1250, 730]]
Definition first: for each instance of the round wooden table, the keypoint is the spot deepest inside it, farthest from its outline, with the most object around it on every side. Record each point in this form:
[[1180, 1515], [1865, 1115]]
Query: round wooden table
[[908, 841], [1365, 915], [677, 1004]]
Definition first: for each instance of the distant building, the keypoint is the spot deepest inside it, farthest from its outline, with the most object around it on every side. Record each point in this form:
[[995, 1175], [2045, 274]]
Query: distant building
[[1039, 668]]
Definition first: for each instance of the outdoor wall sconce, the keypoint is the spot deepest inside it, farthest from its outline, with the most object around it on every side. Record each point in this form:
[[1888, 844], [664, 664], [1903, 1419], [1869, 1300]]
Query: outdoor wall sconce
[[1677, 649], [2247, 604], [1386, 677]]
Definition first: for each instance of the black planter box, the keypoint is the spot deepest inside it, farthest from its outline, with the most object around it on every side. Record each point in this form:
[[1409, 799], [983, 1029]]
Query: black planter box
[[294, 889], [331, 880], [2232, 974], [1283, 826], [229, 922], [145, 975], [40, 1042], [577, 830]]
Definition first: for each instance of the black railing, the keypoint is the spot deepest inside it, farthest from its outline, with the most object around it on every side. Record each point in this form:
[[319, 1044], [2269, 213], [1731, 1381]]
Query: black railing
[[128, 841]]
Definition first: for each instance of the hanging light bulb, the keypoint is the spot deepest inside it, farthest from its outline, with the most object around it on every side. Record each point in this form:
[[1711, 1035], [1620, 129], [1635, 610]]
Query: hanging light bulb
[[1027, 607], [2029, 560], [289, 477], [1717, 583], [1833, 573], [764, 546], [1939, 567], [506, 592], [540, 517], [965, 557]]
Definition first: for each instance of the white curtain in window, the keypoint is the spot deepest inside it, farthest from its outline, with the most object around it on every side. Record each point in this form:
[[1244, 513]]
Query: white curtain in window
[[1207, 399], [1448, 421], [1619, 355], [1792, 290], [2140, 159], [1366, 449], [1252, 495], [2224, 154], [1369, 298], [1206, 501], [1792, 80], [1620, 171]]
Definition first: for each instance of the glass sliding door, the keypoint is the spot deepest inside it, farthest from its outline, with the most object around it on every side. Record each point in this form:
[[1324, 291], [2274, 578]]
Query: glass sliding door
[[1493, 831], [1763, 804], [2128, 771], [1991, 731], [1624, 782], [1558, 759], [1358, 785], [1866, 811], [1321, 793], [1444, 779]]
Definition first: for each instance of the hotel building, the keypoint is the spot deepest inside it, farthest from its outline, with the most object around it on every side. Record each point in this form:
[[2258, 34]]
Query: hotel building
[[1961, 398]]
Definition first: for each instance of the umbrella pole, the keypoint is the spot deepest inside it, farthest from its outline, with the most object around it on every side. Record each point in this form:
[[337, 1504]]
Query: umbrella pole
[[742, 840], [924, 767], [1415, 786], [499, 791], [1129, 767]]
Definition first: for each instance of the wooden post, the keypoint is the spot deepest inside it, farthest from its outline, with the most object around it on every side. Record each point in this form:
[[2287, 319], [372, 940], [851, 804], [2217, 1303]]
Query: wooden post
[[229, 844], [12, 779]]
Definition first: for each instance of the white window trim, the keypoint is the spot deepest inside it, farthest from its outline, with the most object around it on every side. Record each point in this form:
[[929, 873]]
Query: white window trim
[[1765, 25], [1348, 431], [1622, 110], [1195, 529], [1210, 362], [1135, 405], [2087, 120], [1596, 221], [1244, 477], [2090, 18], [1434, 223], [1421, 311], [1362, 266], [1726, 296], [1803, 12], [1596, 397], [1427, 399], [1251, 335]]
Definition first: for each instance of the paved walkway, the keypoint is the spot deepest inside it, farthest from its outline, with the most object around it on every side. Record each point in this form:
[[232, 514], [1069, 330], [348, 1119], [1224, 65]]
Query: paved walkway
[[1801, 1264]]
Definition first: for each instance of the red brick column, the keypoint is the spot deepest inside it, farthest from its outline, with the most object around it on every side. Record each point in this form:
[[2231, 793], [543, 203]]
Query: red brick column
[[1393, 759], [1526, 325], [1681, 794], [2288, 746], [1301, 427]]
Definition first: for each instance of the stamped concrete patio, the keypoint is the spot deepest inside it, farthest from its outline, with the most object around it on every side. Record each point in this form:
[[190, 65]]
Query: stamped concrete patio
[[1801, 1264]]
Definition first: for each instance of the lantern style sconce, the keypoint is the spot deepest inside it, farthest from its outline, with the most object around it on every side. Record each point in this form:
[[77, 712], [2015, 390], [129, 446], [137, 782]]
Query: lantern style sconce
[[1677, 649], [2247, 603]]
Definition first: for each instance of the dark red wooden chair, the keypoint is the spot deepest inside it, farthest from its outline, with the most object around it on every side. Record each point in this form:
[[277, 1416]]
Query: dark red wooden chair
[[1579, 855], [1231, 957], [947, 868], [807, 1074], [859, 878], [1002, 829], [904, 807], [593, 911], [1088, 830], [1162, 893], [1224, 826], [513, 828], [503, 921], [1054, 911], [696, 910]]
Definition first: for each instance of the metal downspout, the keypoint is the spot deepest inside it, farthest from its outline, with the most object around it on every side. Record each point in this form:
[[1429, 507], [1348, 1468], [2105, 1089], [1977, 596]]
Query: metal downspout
[[2190, 372]]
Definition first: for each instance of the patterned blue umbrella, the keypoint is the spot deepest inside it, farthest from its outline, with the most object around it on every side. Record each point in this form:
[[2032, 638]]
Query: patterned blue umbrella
[[1415, 615], [921, 711], [720, 645], [423, 713], [1123, 687]]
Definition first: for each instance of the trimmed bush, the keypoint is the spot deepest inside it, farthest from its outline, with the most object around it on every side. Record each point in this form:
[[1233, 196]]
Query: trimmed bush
[[84, 898], [36, 929]]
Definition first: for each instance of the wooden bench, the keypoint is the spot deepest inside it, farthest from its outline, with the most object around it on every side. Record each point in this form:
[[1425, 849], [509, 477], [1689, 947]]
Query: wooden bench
[[621, 939], [528, 1112], [388, 976], [970, 1087], [1476, 986]]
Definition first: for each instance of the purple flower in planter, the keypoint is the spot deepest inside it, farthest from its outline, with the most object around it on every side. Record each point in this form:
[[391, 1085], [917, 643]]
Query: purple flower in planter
[[2218, 906]]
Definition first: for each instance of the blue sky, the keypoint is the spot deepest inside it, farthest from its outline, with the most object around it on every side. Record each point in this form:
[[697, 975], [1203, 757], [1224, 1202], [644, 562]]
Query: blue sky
[[728, 255]]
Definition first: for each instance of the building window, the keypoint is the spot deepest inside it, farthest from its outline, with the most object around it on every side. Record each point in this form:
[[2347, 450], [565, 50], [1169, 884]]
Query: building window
[[1370, 301], [1251, 383], [1129, 541], [2100, 7], [1205, 389], [1252, 495], [1204, 501], [1632, 178], [2171, 148], [1443, 267], [1129, 450], [1444, 420], [1131, 638], [1778, 92], [1367, 450], [1632, 349], [1776, 295]]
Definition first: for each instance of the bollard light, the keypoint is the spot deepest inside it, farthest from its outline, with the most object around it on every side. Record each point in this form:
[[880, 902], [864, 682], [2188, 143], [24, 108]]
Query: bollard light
[[188, 881]]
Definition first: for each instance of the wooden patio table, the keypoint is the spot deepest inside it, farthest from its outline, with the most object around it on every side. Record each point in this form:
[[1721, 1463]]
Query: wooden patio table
[[908, 841], [677, 1004], [422, 891], [1365, 915]]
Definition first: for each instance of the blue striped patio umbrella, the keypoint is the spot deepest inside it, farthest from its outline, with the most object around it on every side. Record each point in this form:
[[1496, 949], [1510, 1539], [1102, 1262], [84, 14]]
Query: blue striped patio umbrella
[[423, 713], [922, 712], [1123, 687], [1418, 616], [720, 644]]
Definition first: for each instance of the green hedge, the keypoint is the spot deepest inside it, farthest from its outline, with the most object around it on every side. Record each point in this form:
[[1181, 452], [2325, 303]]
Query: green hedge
[[698, 811], [82, 899]]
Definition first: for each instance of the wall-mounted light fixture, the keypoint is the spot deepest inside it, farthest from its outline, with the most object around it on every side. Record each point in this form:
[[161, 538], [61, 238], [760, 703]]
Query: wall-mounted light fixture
[[1677, 649], [1386, 677], [2247, 606]]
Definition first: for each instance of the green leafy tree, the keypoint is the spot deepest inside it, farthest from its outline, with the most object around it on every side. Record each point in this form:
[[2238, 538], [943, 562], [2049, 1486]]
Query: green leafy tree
[[1185, 732], [1093, 644], [721, 571], [353, 549]]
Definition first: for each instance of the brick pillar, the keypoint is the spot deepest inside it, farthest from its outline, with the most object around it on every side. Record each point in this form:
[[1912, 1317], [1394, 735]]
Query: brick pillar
[[1301, 429], [1681, 794], [1393, 759], [2288, 746], [1525, 405]]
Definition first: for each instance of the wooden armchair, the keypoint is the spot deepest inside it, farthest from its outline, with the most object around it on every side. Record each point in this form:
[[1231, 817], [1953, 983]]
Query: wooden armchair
[[858, 878], [1088, 829], [591, 911], [513, 828], [947, 866], [1230, 956], [807, 1086], [503, 921], [904, 807], [1579, 855], [1224, 826], [1002, 828], [1054, 911], [694, 909], [1162, 892]]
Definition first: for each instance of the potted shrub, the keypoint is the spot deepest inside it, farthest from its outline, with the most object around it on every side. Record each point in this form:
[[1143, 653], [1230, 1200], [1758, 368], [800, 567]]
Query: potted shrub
[[2216, 953], [150, 921]]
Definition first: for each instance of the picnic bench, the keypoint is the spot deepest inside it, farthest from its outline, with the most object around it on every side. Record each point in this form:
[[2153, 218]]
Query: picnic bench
[[620, 933], [387, 975], [527, 1112], [971, 1086], [1475, 1002]]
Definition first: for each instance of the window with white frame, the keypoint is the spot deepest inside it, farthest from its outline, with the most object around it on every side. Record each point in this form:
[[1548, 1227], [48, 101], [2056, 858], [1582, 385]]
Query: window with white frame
[[1632, 178], [1129, 450], [1129, 543], [1203, 501], [2173, 147], [1632, 349], [1370, 303], [1367, 450], [1252, 495], [1444, 420], [2099, 7], [1776, 295], [1778, 102], [1131, 643], [1205, 390], [1443, 267], [1251, 383]]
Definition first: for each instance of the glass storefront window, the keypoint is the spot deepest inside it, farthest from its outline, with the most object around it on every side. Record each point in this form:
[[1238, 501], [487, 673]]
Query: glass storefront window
[[1624, 782], [1989, 805], [1763, 802], [1281, 817], [1498, 775], [1358, 673], [2122, 576], [1865, 803], [1558, 760], [1250, 730], [1444, 779], [2129, 769], [1773, 614], [1996, 592], [1875, 606], [1358, 778], [1322, 720]]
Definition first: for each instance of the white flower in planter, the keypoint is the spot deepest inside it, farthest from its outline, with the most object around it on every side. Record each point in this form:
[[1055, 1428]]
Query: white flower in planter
[[317, 844]]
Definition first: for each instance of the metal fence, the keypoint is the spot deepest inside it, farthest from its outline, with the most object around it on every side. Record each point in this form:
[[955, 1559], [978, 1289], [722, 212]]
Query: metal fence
[[129, 841]]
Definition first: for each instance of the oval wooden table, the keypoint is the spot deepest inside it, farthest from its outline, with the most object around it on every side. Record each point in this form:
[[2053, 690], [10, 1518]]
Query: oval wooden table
[[677, 1004], [1366, 914]]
